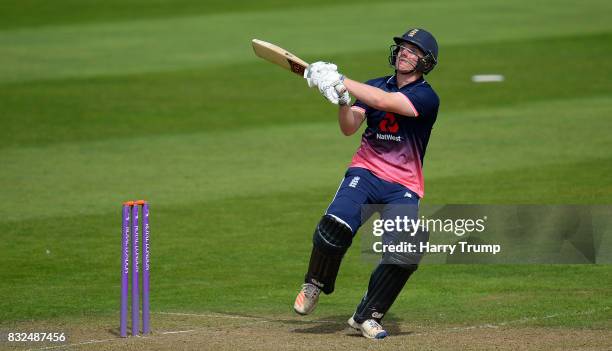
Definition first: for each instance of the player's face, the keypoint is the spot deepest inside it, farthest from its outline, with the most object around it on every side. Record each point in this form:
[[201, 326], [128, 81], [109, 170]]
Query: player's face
[[407, 57]]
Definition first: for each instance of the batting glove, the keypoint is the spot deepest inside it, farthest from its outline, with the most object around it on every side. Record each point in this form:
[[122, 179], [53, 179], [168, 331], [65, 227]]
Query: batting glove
[[331, 85], [315, 71], [345, 98], [331, 95]]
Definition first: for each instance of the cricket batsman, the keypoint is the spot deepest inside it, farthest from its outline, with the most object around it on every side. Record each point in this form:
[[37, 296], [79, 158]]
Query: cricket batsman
[[400, 111]]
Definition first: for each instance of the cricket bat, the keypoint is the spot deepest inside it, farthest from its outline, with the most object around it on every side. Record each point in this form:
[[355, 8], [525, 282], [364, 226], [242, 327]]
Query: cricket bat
[[279, 56]]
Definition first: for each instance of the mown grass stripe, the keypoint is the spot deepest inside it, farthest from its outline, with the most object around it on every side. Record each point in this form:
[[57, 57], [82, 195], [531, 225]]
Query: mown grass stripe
[[137, 46], [188, 101]]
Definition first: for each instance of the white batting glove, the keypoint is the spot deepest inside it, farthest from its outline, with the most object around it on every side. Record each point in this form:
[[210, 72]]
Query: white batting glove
[[332, 87], [314, 71], [331, 95], [328, 79], [337, 95], [345, 98]]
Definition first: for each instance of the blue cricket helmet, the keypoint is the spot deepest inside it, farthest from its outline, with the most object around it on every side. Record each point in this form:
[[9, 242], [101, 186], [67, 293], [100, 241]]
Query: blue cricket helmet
[[424, 41]]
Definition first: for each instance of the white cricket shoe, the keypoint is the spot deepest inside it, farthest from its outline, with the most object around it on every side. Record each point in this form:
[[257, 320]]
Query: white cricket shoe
[[370, 328], [307, 299]]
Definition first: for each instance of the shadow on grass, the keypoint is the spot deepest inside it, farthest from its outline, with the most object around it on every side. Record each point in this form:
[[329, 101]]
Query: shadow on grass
[[336, 324]]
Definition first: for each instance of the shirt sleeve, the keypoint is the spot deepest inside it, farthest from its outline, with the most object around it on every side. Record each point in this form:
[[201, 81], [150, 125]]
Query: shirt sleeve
[[424, 101]]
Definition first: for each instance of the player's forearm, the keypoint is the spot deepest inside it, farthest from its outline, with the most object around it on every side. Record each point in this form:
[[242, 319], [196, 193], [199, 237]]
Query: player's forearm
[[348, 121], [380, 99], [369, 95]]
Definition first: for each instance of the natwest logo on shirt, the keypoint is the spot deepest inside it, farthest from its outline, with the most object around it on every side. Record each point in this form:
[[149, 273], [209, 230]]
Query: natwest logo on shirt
[[389, 123]]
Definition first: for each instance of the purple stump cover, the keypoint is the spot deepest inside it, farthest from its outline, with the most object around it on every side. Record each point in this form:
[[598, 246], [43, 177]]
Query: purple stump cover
[[125, 264], [135, 290], [145, 269]]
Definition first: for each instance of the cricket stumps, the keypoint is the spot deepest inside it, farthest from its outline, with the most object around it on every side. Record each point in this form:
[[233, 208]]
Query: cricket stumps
[[130, 235]]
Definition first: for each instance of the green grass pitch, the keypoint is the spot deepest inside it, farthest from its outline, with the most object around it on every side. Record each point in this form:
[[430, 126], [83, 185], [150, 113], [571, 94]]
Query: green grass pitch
[[101, 102]]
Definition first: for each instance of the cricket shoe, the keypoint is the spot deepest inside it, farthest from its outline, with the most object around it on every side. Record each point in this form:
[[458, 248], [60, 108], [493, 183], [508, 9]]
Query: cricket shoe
[[370, 328], [307, 299]]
